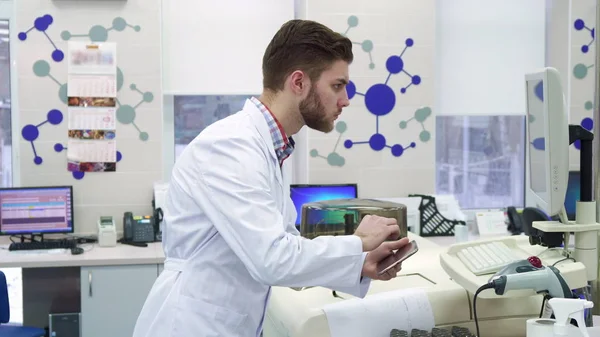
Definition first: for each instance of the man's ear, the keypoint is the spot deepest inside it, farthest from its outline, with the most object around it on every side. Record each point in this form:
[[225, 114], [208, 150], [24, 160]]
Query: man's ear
[[298, 82]]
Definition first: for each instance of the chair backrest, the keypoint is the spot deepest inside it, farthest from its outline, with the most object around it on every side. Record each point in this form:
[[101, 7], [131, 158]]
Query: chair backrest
[[4, 305]]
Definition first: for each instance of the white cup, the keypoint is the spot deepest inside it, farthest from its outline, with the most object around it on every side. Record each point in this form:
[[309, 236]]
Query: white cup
[[461, 233]]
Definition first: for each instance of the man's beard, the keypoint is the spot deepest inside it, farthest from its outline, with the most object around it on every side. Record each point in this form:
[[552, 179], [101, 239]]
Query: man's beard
[[313, 113]]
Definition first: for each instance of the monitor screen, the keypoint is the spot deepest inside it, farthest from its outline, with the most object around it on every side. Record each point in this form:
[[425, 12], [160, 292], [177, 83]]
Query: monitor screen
[[302, 194], [36, 210], [536, 128], [573, 194]]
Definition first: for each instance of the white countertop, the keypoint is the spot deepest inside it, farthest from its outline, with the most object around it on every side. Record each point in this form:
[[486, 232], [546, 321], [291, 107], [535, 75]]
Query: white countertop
[[93, 255]]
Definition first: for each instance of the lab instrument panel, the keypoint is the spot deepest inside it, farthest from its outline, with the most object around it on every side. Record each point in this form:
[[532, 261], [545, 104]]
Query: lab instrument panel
[[455, 263], [455, 331], [449, 286]]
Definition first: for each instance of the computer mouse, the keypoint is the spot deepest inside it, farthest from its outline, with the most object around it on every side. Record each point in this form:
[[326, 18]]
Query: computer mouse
[[76, 250]]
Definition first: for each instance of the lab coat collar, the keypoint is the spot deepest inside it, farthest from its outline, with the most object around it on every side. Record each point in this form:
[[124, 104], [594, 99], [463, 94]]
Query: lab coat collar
[[263, 128], [284, 145]]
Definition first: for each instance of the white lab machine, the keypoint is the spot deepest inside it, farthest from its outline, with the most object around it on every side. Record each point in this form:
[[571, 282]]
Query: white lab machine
[[450, 276], [107, 232]]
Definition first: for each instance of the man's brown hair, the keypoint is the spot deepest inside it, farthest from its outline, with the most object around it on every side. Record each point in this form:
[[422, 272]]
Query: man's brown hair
[[302, 45]]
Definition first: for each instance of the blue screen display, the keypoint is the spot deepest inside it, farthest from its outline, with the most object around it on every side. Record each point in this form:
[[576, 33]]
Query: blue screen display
[[573, 194], [311, 193]]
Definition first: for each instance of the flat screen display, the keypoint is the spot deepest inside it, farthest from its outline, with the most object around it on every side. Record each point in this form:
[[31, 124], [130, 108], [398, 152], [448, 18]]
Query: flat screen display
[[302, 194]]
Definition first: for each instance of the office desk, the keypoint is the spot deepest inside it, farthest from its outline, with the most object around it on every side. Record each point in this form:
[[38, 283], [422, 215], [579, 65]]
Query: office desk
[[107, 285]]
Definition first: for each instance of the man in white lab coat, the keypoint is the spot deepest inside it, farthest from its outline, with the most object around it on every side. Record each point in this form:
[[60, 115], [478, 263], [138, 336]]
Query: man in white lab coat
[[229, 223]]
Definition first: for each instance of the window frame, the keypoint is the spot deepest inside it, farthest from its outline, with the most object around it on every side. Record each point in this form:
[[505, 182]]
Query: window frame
[[466, 126], [8, 12], [168, 155]]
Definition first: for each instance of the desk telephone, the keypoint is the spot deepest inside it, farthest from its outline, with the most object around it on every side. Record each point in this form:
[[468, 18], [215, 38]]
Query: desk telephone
[[138, 230]]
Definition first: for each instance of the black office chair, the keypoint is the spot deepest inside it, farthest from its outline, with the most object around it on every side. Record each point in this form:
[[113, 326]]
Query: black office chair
[[11, 330]]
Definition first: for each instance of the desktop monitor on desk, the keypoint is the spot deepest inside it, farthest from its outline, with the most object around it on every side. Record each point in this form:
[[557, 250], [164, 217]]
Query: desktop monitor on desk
[[549, 136], [303, 194], [548, 139], [36, 210]]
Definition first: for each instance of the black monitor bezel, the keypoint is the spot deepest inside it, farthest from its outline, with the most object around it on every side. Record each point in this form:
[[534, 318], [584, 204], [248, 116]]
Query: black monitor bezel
[[69, 187]]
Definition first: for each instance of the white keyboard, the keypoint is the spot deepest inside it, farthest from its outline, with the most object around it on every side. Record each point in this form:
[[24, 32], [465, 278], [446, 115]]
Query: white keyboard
[[487, 258]]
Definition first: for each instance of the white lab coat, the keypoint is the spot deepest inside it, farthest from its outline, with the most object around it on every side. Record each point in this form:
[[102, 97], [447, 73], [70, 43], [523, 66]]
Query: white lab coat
[[229, 235]]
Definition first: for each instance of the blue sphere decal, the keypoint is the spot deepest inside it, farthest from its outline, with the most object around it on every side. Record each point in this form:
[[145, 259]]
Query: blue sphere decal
[[380, 99], [351, 89], [588, 124]]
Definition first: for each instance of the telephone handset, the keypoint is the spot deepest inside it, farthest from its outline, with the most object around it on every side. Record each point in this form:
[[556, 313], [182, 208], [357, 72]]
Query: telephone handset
[[515, 221], [137, 230], [158, 214]]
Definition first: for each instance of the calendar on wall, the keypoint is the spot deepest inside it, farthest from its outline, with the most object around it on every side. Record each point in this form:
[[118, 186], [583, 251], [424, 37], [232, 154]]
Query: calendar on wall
[[92, 107]]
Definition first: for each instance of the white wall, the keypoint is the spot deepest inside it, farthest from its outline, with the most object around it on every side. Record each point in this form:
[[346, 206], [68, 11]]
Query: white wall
[[385, 25], [139, 58], [484, 50], [216, 47], [198, 61]]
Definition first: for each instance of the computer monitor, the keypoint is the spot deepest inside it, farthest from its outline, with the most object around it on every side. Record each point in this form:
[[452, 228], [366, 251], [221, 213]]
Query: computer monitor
[[302, 194], [573, 194], [548, 139], [36, 210]]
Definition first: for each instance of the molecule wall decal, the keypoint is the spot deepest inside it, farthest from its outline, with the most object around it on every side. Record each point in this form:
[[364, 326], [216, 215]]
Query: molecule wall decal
[[366, 45], [99, 33], [579, 24], [333, 158], [31, 132], [580, 72], [126, 113], [41, 24], [420, 117], [380, 100]]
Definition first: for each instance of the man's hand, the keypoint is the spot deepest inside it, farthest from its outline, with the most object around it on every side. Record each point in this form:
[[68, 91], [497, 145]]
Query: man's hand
[[380, 258], [373, 230]]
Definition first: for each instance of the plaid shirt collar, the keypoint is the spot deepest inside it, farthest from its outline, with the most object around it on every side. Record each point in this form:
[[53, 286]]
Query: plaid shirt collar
[[284, 145]]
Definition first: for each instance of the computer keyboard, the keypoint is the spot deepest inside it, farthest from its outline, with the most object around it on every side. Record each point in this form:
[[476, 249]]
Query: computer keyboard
[[487, 258], [63, 244], [455, 331]]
